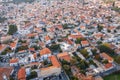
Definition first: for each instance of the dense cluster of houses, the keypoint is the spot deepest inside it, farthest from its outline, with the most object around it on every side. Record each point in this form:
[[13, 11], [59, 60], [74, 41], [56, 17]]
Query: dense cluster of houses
[[50, 32]]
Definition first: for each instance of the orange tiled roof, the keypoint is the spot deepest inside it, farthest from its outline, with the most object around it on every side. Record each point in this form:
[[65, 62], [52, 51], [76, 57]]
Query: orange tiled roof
[[32, 49], [89, 78], [64, 56], [54, 61], [5, 71], [45, 51], [32, 34], [47, 38], [14, 60], [75, 36], [108, 65], [38, 30], [22, 74], [68, 41], [84, 42], [104, 55], [82, 27]]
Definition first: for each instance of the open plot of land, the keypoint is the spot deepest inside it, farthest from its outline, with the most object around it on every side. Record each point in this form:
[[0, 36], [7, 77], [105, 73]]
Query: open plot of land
[[112, 77]]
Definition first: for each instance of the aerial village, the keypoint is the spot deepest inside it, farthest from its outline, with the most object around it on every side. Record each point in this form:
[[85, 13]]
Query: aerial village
[[59, 40]]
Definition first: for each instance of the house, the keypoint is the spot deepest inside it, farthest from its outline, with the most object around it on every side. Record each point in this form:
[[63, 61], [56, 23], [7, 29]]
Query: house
[[31, 58], [31, 35], [64, 56], [5, 73], [14, 61], [74, 37], [108, 66], [45, 53], [13, 45], [21, 74], [55, 69], [89, 78], [84, 43], [47, 39], [5, 38], [65, 47], [68, 41], [107, 57]]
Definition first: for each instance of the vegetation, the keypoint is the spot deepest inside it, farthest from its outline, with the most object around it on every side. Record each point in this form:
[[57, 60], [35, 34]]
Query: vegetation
[[12, 29], [94, 51], [84, 53], [11, 78], [116, 9], [34, 67], [99, 27], [22, 48], [32, 75], [36, 47], [106, 49], [97, 57], [55, 47], [68, 26], [22, 41], [81, 64], [78, 40], [114, 76], [7, 50], [66, 67], [117, 59]]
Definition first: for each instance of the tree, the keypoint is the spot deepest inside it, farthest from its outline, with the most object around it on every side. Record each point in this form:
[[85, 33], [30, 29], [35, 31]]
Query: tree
[[66, 67], [78, 41], [84, 53], [105, 61], [99, 27], [117, 59], [33, 74], [97, 57], [74, 78], [55, 47], [106, 49], [73, 61], [12, 29], [94, 51], [108, 31]]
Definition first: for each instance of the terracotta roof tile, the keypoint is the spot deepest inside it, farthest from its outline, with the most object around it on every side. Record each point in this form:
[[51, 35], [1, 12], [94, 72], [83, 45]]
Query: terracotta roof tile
[[108, 65], [22, 74], [14, 60], [45, 51], [64, 56]]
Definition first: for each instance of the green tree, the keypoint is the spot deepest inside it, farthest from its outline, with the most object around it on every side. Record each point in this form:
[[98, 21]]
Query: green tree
[[33, 74], [106, 49], [84, 53], [117, 59], [94, 51], [55, 47], [99, 27], [74, 78], [12, 29], [66, 67], [97, 57], [78, 40]]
